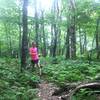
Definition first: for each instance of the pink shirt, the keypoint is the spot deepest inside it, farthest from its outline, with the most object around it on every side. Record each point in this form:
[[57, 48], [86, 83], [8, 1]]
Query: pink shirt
[[34, 53]]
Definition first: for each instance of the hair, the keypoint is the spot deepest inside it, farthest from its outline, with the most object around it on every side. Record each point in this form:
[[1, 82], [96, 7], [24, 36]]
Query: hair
[[34, 43]]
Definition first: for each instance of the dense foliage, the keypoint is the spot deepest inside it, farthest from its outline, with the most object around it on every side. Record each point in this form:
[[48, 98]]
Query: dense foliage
[[15, 85], [67, 34]]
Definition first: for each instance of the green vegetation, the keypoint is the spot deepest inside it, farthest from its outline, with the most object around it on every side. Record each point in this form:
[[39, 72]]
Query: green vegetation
[[15, 85], [67, 36], [71, 71]]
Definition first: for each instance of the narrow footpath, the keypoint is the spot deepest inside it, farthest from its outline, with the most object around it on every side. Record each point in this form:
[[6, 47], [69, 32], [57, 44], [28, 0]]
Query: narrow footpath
[[46, 90]]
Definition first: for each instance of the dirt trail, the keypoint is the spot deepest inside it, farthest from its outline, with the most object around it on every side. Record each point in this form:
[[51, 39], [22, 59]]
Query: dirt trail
[[46, 90]]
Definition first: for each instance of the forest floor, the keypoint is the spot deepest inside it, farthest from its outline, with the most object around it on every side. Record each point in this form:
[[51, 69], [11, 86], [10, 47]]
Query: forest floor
[[46, 90], [28, 85]]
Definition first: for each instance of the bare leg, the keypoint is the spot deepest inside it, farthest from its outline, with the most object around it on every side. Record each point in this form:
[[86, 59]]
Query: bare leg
[[39, 68], [33, 64]]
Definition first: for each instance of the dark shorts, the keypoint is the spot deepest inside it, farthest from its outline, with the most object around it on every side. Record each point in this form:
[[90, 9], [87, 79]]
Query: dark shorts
[[34, 61]]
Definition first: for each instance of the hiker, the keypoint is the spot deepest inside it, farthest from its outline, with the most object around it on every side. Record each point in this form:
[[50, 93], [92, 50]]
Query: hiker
[[34, 55]]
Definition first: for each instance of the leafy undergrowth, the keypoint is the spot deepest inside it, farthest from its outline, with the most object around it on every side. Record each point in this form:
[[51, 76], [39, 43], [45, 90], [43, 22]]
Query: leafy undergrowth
[[15, 85], [71, 71], [68, 71], [87, 94]]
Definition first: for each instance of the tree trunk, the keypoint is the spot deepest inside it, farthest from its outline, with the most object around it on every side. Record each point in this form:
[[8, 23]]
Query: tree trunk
[[20, 39], [10, 42], [10, 46], [73, 42], [85, 42], [44, 37], [59, 42], [52, 40], [71, 35], [63, 52], [55, 40], [59, 29], [0, 49], [80, 37], [24, 48], [98, 39], [36, 26], [55, 26], [67, 45]]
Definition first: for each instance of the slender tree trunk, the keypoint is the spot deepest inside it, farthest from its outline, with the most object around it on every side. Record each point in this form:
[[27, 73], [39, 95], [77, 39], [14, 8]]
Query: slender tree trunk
[[52, 40], [73, 43], [59, 42], [59, 29], [10, 42], [85, 42], [24, 48], [55, 26], [44, 37], [98, 39], [36, 31], [0, 49], [80, 37], [20, 39], [36, 25], [55, 40], [71, 35], [63, 52], [20, 33], [67, 45], [10, 46]]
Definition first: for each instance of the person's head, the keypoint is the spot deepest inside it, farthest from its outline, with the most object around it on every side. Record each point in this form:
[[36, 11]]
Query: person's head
[[33, 44]]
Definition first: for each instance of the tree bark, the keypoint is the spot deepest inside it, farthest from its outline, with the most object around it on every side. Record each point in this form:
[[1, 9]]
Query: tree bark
[[67, 45], [20, 39], [85, 42], [44, 36], [80, 37], [55, 41], [0, 49], [55, 27], [24, 48], [98, 39], [36, 25], [52, 40], [71, 35]]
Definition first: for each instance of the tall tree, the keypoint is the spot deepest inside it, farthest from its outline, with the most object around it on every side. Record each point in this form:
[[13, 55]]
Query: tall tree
[[24, 48], [55, 26], [82, 40], [80, 37], [36, 24], [98, 38], [44, 35], [0, 47], [71, 36]]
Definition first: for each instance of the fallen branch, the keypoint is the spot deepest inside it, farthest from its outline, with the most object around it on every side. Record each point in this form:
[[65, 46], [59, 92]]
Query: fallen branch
[[65, 89], [71, 90]]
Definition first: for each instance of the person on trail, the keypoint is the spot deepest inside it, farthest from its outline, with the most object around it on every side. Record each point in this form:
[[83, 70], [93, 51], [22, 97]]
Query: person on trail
[[34, 55]]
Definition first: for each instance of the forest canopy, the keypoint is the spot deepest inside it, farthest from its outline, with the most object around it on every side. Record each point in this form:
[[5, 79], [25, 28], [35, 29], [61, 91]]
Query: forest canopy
[[49, 23]]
